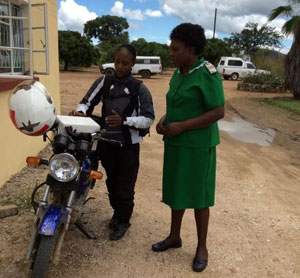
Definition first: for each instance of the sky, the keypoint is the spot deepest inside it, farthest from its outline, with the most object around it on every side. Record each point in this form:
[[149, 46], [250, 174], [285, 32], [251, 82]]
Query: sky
[[153, 20]]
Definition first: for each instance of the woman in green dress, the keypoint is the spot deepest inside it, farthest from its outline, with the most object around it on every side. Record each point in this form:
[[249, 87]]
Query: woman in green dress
[[195, 102]]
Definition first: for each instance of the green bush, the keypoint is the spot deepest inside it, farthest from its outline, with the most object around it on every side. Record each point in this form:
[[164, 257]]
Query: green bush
[[263, 79], [272, 61]]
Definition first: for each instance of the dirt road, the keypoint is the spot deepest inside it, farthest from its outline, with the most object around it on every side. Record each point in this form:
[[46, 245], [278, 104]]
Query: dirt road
[[254, 227]]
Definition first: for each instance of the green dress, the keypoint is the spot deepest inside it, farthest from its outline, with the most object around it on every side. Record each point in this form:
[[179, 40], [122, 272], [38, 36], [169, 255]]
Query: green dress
[[190, 157]]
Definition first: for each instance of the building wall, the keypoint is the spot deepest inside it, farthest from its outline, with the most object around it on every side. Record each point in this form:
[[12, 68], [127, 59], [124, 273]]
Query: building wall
[[14, 145]]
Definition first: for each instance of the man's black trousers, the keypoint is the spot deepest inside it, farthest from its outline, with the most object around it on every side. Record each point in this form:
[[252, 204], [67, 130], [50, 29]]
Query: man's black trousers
[[121, 165]]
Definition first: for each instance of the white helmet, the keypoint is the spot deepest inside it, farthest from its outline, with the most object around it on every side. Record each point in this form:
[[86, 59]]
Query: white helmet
[[32, 109]]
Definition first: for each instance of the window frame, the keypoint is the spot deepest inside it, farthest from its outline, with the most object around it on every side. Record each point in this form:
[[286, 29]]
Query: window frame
[[10, 48], [139, 61], [251, 66], [45, 27], [234, 63]]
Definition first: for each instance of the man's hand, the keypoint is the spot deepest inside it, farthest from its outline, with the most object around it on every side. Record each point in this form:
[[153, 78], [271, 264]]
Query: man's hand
[[114, 120], [77, 113]]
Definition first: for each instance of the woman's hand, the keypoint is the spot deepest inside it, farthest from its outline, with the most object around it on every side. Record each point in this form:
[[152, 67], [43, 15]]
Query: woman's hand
[[77, 113], [173, 129], [169, 130], [161, 125], [114, 120]]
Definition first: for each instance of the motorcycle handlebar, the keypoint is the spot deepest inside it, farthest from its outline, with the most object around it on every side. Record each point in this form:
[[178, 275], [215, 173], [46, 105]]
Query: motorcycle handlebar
[[107, 136]]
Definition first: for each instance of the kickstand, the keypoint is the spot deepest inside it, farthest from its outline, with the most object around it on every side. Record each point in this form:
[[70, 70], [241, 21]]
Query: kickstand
[[83, 228], [91, 198]]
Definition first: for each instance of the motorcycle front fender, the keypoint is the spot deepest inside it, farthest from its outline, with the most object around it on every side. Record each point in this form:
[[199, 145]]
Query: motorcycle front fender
[[53, 217]]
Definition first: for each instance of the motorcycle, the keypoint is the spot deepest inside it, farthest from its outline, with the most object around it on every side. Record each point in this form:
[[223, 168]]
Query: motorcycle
[[72, 174]]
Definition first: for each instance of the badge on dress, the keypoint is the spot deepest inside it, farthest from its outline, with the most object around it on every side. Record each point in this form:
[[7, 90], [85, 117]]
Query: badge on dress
[[211, 68]]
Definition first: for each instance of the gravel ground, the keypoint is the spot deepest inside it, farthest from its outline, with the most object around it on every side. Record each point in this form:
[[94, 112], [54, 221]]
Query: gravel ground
[[254, 226]]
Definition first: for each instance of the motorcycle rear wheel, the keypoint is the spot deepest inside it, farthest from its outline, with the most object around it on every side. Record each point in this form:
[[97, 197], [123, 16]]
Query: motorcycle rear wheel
[[43, 256]]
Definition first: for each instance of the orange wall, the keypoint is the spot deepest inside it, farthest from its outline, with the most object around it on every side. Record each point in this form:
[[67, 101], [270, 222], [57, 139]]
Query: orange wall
[[15, 146]]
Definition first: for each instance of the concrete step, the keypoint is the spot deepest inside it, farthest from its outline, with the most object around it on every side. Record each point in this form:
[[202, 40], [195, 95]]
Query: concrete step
[[8, 210]]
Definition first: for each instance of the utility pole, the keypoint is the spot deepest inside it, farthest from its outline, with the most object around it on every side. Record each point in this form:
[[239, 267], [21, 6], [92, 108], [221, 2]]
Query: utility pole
[[215, 23]]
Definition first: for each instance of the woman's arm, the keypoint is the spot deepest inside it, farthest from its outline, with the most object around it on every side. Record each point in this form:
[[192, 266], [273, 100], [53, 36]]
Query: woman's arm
[[90, 100], [146, 115], [201, 121]]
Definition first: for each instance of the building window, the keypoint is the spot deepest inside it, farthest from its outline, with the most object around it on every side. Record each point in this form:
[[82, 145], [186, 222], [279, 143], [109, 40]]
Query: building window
[[23, 39], [14, 38]]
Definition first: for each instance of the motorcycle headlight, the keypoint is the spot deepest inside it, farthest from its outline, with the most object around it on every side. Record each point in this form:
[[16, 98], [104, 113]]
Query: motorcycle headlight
[[64, 167]]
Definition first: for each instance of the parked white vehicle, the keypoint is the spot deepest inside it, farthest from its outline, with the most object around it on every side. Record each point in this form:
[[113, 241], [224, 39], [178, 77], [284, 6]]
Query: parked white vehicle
[[144, 65], [234, 67]]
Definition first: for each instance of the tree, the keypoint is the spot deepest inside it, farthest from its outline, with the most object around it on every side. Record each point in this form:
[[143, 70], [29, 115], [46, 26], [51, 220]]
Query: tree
[[270, 60], [140, 45], [292, 60], [76, 50], [215, 49], [108, 28], [111, 33], [107, 51], [253, 38], [145, 48]]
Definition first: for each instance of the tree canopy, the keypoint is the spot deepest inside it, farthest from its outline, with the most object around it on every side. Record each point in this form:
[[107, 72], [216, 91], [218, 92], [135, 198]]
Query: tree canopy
[[215, 49], [292, 60], [108, 28], [111, 33], [253, 38], [75, 49], [145, 48]]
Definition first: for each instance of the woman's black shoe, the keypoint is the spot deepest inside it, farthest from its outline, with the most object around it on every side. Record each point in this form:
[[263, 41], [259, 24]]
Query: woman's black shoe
[[163, 245], [113, 223], [119, 231], [199, 264]]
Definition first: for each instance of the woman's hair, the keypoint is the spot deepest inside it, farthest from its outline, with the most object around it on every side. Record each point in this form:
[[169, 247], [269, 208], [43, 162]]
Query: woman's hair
[[130, 49], [191, 35]]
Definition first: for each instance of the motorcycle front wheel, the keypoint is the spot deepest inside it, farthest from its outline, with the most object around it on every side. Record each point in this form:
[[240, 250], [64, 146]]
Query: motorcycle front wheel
[[43, 256]]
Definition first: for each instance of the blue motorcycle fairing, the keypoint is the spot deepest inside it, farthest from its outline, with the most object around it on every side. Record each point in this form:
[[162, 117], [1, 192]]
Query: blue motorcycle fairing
[[83, 179], [53, 217]]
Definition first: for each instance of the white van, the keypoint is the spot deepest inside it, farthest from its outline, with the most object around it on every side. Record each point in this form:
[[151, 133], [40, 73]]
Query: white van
[[144, 65], [234, 67]]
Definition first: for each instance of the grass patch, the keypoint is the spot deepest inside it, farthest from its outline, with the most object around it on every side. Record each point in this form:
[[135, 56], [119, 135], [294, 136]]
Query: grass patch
[[22, 199], [6, 201], [285, 103]]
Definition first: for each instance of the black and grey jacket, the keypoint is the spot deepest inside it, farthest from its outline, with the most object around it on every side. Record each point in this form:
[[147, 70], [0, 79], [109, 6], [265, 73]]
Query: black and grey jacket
[[141, 117]]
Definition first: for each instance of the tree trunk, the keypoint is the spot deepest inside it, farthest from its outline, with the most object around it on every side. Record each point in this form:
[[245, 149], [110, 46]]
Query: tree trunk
[[66, 65], [292, 68]]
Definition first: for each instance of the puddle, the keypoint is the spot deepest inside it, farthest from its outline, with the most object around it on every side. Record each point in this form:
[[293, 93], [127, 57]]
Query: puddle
[[247, 132]]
